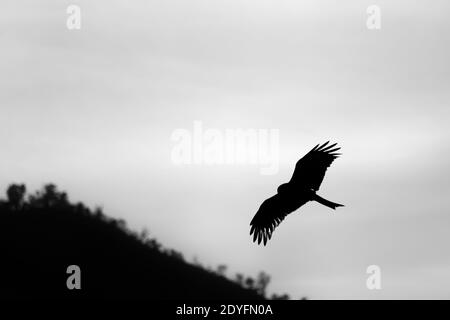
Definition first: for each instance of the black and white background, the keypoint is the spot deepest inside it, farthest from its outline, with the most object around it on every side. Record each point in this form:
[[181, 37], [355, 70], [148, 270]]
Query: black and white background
[[99, 111]]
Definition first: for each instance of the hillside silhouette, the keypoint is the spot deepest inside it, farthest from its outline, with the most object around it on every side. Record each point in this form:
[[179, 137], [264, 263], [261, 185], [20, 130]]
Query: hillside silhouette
[[43, 234]]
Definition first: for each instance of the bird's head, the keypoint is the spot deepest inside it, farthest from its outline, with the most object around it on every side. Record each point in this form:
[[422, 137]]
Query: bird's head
[[283, 188]]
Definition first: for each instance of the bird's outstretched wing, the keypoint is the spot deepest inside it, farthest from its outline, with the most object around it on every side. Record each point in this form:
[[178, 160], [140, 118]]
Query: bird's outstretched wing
[[271, 212], [310, 170]]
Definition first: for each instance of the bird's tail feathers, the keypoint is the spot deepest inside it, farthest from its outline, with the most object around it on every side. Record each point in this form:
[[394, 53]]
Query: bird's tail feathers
[[326, 202]]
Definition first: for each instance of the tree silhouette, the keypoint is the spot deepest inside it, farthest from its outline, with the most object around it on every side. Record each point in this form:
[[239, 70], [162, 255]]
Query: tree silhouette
[[239, 278], [50, 197], [221, 270], [51, 233], [250, 283], [261, 283], [16, 194]]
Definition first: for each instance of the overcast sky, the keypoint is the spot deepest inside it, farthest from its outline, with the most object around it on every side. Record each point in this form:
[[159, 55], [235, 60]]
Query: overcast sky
[[93, 110]]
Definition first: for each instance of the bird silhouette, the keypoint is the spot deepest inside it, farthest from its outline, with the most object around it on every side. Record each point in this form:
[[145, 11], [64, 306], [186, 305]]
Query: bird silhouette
[[305, 181]]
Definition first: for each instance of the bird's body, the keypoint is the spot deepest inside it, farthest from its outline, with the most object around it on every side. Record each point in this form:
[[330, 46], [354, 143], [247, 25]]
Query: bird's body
[[308, 175], [294, 198]]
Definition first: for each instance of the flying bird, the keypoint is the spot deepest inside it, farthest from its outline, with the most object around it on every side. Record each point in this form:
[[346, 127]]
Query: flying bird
[[305, 182]]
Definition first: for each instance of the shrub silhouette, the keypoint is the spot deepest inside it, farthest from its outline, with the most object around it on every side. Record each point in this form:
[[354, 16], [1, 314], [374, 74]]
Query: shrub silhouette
[[42, 236]]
